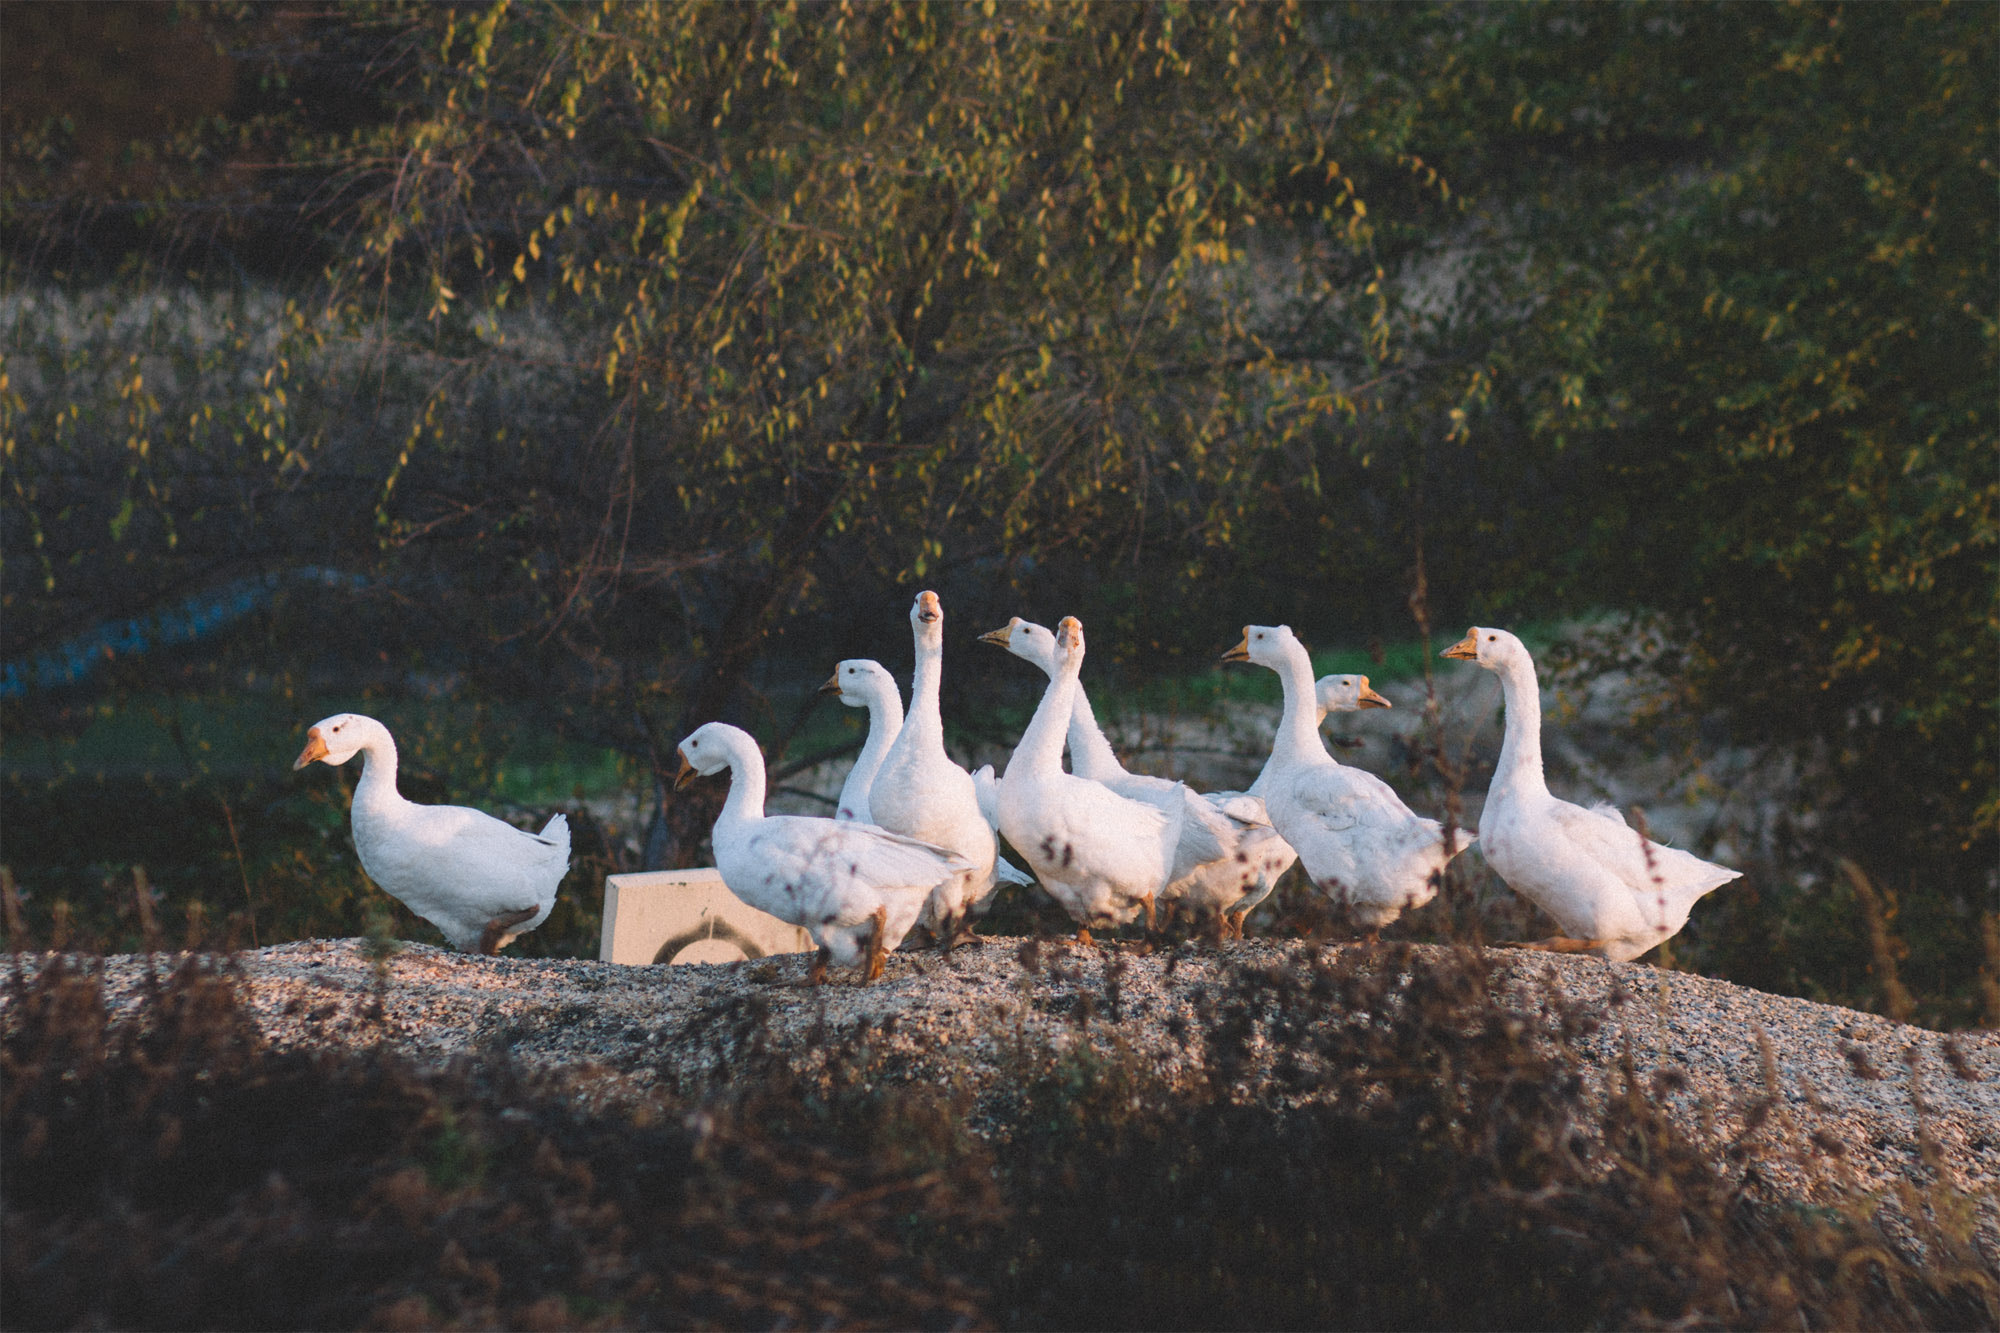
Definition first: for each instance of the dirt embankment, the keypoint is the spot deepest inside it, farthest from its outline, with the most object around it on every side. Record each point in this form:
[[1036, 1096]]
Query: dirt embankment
[[1856, 1096]]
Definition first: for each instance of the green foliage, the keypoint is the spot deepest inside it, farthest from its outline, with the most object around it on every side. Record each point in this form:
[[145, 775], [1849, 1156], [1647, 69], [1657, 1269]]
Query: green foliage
[[884, 292], [1760, 246]]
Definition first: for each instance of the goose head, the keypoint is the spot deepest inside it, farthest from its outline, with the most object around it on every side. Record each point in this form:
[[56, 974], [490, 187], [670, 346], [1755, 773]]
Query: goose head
[[709, 749], [1493, 649], [859, 681], [927, 620], [1267, 646], [1026, 640], [1069, 641], [1345, 694], [337, 739]]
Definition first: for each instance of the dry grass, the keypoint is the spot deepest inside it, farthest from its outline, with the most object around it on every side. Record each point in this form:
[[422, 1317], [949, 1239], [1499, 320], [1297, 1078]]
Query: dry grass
[[1416, 1154]]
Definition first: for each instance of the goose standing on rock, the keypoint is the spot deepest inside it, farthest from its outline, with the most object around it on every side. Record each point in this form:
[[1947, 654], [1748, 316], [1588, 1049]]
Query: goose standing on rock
[[921, 793], [1332, 694], [1228, 855], [1103, 856], [861, 683], [1613, 891], [1360, 844], [478, 879], [851, 886]]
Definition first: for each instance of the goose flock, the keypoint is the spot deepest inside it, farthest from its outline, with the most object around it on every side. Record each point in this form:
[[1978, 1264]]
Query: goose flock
[[915, 839]]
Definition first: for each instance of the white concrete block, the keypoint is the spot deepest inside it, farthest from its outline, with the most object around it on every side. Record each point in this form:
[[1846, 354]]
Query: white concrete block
[[687, 916]]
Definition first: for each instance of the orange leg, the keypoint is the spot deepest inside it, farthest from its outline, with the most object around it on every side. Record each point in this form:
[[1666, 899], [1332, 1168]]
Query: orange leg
[[877, 946], [1149, 913], [1083, 936], [816, 974], [1558, 944]]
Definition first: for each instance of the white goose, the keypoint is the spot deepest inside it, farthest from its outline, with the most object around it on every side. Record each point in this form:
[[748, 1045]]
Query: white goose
[[1226, 844], [1344, 694], [478, 879], [1332, 694], [862, 683], [986, 789], [849, 885], [921, 793], [1357, 840], [1614, 892], [1104, 857]]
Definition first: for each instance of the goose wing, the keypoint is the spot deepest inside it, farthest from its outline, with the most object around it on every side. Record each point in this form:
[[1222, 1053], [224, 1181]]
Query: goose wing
[[1602, 834], [1340, 798], [830, 872], [1206, 832], [859, 851], [486, 861], [1240, 806]]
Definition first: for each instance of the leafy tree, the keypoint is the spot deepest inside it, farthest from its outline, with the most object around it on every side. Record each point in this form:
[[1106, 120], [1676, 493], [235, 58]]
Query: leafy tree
[[917, 290], [651, 335], [1728, 316]]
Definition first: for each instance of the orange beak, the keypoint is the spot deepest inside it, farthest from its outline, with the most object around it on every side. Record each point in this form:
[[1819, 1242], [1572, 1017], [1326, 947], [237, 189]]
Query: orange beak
[[1001, 637], [686, 775], [1240, 653], [832, 685], [928, 609], [1466, 649], [315, 749], [1370, 699]]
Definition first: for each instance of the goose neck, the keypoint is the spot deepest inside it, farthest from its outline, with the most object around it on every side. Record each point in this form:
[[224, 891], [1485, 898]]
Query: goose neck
[[377, 787], [926, 716], [885, 723], [1090, 752], [1298, 739], [1040, 748], [745, 801], [1521, 747]]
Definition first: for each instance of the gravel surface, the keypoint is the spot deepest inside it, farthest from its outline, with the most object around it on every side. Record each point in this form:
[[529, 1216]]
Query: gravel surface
[[1849, 1114]]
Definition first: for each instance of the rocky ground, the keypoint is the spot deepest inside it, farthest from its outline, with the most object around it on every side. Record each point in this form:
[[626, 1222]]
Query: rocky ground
[[1854, 1088]]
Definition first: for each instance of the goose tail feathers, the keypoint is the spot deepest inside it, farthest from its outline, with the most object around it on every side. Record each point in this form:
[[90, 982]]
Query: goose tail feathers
[[1708, 877], [556, 833], [1426, 838]]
